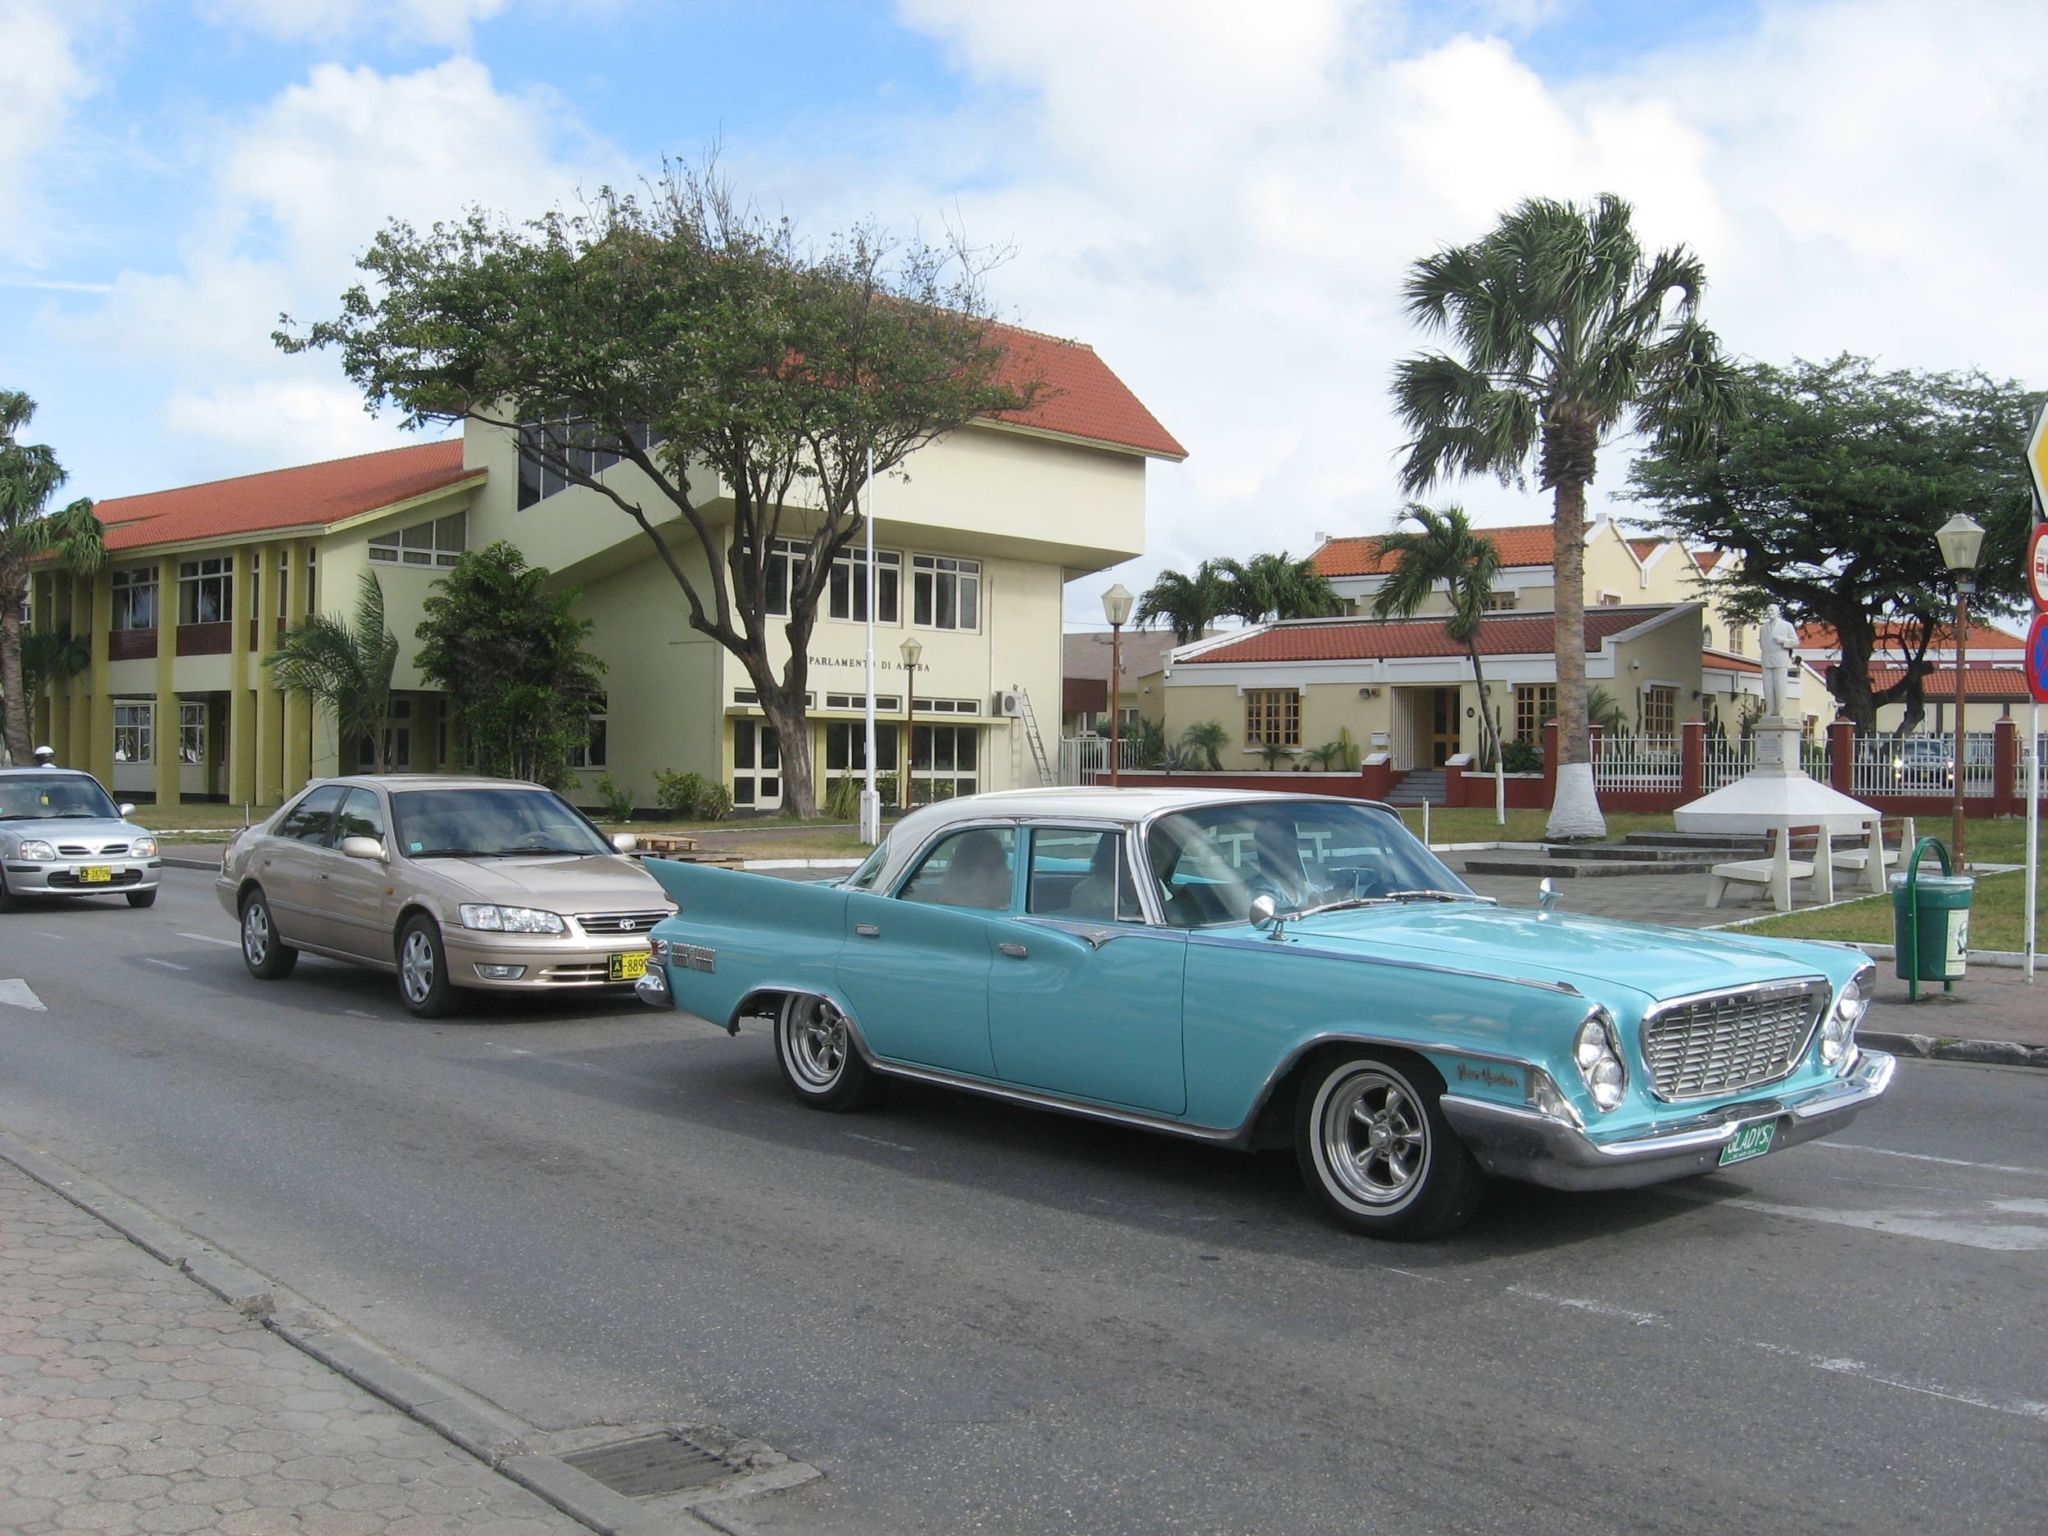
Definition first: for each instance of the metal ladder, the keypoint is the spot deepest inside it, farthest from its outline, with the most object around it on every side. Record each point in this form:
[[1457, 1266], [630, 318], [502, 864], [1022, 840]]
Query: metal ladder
[[1045, 773]]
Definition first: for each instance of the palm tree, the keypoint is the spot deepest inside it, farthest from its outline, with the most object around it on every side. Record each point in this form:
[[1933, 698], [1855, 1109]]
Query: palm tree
[[1277, 587], [1187, 604], [1566, 331], [50, 657], [1205, 740], [1444, 551], [345, 668], [29, 534]]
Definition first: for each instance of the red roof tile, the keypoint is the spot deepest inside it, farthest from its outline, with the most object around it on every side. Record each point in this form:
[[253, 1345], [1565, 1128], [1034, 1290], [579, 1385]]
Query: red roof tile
[[1981, 682], [1721, 661], [1081, 397], [1520, 634], [1706, 559], [1642, 548], [1983, 637], [1520, 545], [311, 495]]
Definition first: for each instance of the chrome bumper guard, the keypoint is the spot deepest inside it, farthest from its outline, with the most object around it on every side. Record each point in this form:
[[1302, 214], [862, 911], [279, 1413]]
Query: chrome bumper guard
[[1519, 1143], [652, 988]]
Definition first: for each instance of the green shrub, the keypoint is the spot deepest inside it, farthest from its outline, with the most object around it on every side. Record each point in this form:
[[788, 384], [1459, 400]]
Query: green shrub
[[692, 796], [842, 801], [1520, 757], [616, 803]]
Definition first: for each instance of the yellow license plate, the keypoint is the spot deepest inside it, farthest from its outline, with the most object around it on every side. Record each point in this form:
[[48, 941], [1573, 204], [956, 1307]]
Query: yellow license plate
[[629, 967], [95, 874]]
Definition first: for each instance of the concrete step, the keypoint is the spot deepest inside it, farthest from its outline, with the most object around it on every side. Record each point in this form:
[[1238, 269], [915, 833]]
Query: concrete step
[[1644, 852], [1537, 867], [1720, 841]]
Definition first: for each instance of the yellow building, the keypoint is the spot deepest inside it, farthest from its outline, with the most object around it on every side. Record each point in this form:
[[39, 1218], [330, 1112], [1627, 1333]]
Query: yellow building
[[974, 546]]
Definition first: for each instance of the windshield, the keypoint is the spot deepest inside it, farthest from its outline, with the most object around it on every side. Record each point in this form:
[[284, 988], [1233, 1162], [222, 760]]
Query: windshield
[[1211, 862], [34, 796], [485, 823]]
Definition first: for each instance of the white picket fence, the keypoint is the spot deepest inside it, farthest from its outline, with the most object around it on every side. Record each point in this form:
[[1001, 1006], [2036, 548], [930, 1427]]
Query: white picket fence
[[1922, 764]]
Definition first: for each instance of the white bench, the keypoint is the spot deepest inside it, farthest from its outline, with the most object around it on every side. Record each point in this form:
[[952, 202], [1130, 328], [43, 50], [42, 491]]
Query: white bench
[[1777, 872], [1872, 859]]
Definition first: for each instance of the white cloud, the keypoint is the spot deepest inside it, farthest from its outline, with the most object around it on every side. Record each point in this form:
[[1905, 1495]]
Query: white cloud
[[41, 80], [437, 23]]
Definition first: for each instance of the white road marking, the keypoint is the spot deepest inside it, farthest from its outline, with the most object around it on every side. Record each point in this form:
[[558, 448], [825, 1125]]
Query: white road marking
[[357, 1013], [1597, 1308], [2019, 1408], [19, 994], [168, 965], [1950, 1226], [60, 937], [1923, 1157], [894, 1146], [208, 938]]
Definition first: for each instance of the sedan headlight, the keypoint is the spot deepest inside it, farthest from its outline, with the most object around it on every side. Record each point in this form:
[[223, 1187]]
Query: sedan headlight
[[512, 919], [1838, 1029], [1597, 1054], [36, 848], [143, 848]]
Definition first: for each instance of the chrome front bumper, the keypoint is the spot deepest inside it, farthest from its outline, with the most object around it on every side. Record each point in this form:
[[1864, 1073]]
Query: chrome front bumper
[[60, 877], [1519, 1143], [652, 988]]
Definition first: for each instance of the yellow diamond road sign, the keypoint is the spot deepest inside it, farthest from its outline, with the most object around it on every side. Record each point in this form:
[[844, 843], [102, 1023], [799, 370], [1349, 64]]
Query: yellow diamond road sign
[[2037, 461]]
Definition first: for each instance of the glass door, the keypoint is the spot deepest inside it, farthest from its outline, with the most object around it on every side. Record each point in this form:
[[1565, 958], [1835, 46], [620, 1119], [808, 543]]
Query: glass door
[[756, 766]]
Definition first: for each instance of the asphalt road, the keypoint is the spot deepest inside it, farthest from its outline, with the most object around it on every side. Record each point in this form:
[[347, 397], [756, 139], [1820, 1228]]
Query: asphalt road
[[978, 1318]]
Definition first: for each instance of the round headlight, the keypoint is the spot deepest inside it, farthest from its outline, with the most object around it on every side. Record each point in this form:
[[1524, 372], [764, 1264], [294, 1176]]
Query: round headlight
[[143, 847], [1592, 1044], [1595, 1054], [1852, 1003]]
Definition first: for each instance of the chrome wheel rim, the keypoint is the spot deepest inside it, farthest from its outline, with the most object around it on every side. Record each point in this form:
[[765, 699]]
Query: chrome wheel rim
[[255, 933], [815, 1042], [1375, 1137], [416, 966]]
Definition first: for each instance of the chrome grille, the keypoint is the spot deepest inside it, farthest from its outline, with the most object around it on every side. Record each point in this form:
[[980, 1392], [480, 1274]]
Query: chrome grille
[[1724, 1042], [81, 851], [618, 922]]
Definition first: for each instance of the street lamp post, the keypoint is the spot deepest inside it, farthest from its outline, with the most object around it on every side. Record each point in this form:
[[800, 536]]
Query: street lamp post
[[912, 651], [1960, 539], [1116, 607]]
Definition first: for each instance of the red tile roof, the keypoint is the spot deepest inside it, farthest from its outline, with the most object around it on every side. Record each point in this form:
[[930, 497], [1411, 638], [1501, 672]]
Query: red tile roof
[[1981, 682], [1983, 637], [1081, 396], [1707, 559], [1520, 545], [1722, 661], [1519, 634], [311, 495], [1642, 548]]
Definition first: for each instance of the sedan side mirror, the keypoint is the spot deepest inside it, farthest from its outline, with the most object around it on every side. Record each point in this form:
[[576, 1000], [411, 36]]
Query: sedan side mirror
[[1265, 915], [362, 848], [625, 842], [126, 808]]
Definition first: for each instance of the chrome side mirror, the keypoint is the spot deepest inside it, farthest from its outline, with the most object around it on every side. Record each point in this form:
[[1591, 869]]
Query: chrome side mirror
[[1265, 915], [624, 842], [362, 848], [1546, 894]]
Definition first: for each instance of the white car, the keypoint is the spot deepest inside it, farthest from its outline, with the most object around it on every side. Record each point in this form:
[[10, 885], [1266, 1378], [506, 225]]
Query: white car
[[62, 835]]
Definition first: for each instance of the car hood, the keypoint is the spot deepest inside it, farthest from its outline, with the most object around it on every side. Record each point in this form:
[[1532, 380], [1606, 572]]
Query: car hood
[[76, 829], [598, 882], [1552, 946]]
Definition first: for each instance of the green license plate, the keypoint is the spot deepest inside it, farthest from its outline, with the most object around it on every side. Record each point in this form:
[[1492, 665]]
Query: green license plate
[[629, 967], [1750, 1141], [95, 874]]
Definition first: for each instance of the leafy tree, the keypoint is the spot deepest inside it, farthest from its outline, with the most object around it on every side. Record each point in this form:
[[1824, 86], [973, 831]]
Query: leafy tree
[[752, 381], [1187, 605], [50, 657], [29, 533], [509, 655], [1444, 550], [345, 669], [1276, 587], [1830, 486], [1204, 741], [1565, 332]]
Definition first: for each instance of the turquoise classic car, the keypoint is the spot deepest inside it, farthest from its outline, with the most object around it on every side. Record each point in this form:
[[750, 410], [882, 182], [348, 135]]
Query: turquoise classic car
[[1269, 970]]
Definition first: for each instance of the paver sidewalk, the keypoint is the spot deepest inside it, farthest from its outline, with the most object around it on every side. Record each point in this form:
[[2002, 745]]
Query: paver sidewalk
[[133, 1400]]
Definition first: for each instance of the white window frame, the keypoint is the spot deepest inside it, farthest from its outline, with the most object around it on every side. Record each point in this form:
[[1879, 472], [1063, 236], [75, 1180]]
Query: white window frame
[[846, 590], [958, 781], [191, 733], [129, 586], [432, 543], [136, 722], [595, 748], [198, 576], [930, 577]]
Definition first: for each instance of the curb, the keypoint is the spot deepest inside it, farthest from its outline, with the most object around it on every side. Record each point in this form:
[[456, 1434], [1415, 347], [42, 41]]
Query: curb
[[186, 861], [1996, 1053], [470, 1423]]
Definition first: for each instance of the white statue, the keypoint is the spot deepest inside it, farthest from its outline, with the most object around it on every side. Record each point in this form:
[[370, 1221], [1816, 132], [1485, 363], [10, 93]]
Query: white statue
[[1780, 649]]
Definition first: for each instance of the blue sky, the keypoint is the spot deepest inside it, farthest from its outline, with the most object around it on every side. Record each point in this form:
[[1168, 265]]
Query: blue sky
[[1221, 198]]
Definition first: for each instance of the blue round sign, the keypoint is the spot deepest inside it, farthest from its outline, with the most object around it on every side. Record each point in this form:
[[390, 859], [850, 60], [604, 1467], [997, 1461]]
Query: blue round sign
[[2037, 659]]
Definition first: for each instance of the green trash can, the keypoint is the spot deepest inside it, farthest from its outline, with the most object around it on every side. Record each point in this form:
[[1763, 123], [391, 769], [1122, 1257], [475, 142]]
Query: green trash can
[[1930, 921]]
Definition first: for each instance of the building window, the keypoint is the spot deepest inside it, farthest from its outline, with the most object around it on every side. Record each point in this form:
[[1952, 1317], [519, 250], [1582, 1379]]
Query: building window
[[312, 579], [440, 542], [944, 762], [135, 598], [1272, 717], [846, 593], [946, 593], [134, 733], [1534, 704], [946, 706], [1735, 638], [192, 733], [785, 561], [206, 590], [846, 755], [1660, 712], [1499, 600], [591, 751], [1610, 599], [284, 570], [573, 440]]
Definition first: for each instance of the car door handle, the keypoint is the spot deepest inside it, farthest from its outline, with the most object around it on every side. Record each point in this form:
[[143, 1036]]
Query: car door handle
[[867, 930], [1014, 951]]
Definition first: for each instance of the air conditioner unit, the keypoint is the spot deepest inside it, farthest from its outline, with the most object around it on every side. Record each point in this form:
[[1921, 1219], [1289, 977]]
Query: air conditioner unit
[[1009, 702]]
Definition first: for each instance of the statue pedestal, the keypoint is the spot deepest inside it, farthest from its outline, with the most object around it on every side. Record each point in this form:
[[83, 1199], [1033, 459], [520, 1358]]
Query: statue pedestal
[[1776, 792]]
